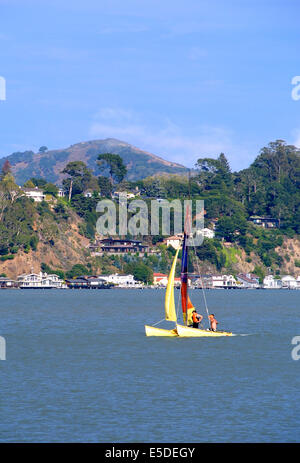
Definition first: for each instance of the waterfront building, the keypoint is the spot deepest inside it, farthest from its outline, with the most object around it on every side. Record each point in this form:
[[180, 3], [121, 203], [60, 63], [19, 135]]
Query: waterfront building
[[7, 283], [220, 281], [270, 282], [248, 280], [161, 279], [78, 283], [122, 281], [40, 281], [289, 282]]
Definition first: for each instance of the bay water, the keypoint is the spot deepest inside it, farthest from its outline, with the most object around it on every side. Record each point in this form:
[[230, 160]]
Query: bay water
[[79, 368]]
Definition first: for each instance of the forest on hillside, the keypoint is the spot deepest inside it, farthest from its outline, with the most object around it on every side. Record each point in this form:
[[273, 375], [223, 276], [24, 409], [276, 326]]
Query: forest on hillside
[[268, 187]]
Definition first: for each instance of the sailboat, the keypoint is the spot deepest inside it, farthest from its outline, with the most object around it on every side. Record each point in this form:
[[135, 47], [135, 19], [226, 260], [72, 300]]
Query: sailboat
[[179, 330], [170, 311], [187, 330]]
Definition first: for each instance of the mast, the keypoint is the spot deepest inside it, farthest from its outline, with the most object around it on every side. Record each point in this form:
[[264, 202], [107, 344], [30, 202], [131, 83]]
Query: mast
[[186, 303], [188, 231]]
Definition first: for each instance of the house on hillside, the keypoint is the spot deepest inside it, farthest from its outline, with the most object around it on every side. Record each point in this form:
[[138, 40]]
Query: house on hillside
[[175, 241], [88, 193], [118, 246], [124, 194], [206, 233], [264, 222], [34, 193]]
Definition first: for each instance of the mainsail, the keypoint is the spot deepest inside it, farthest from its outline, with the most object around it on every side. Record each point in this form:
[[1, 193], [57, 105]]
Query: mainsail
[[170, 310], [187, 306]]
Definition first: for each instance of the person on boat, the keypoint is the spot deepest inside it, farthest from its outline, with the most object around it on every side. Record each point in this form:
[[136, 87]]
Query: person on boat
[[213, 322], [197, 319]]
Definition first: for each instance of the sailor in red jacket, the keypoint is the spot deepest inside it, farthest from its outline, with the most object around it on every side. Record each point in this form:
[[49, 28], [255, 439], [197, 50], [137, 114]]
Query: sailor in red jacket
[[197, 318]]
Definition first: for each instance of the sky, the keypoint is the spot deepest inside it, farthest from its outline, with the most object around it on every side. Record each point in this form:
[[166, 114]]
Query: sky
[[182, 80]]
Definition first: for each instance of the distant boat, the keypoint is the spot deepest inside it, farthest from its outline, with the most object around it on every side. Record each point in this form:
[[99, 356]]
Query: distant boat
[[185, 330]]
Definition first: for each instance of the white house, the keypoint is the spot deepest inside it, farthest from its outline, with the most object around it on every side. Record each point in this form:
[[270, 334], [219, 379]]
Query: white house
[[61, 192], [271, 283], [247, 280], [222, 281], [40, 281], [289, 282], [161, 279], [35, 193], [123, 281], [124, 194], [206, 232], [174, 241], [88, 193]]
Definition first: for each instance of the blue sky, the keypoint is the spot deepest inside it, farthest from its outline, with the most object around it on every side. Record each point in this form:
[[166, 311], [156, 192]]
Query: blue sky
[[180, 79]]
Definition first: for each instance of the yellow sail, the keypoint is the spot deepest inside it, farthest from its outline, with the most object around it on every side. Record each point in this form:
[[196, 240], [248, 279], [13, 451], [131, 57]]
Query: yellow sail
[[170, 310]]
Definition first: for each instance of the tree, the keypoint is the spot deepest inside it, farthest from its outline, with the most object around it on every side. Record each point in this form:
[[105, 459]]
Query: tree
[[140, 271], [79, 174], [105, 186], [39, 182], [6, 168], [51, 189], [77, 270], [43, 149], [29, 184], [214, 174], [114, 164]]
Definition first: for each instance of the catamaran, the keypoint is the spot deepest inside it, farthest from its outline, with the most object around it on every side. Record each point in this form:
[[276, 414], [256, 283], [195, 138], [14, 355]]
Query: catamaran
[[186, 329]]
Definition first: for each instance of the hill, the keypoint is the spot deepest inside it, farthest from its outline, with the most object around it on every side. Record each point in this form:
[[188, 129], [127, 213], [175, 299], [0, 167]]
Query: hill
[[49, 164]]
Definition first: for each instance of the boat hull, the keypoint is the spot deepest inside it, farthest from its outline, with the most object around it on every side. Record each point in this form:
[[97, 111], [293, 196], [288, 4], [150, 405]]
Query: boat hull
[[188, 332], [153, 331]]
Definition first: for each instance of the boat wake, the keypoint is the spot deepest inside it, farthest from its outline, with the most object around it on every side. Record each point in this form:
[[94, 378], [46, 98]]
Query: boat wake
[[244, 334]]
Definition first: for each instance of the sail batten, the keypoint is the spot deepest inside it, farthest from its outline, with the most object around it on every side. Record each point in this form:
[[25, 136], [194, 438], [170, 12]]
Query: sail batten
[[170, 311]]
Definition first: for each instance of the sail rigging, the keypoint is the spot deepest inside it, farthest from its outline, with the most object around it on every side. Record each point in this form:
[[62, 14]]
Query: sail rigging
[[170, 311], [186, 303]]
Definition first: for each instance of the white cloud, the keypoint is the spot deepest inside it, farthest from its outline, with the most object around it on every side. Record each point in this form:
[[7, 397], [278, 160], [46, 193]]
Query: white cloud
[[167, 139]]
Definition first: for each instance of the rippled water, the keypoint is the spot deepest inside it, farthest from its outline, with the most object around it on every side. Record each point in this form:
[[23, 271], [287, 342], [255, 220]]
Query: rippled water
[[80, 369]]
